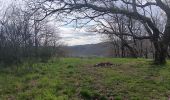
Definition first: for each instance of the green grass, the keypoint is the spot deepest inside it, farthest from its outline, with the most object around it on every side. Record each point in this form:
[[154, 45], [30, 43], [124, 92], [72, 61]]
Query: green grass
[[76, 78]]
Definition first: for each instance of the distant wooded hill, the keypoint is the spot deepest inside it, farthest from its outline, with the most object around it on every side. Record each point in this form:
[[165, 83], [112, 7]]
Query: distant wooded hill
[[90, 50], [109, 49]]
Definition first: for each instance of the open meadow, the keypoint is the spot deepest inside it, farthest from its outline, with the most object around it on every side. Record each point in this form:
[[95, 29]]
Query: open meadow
[[79, 79]]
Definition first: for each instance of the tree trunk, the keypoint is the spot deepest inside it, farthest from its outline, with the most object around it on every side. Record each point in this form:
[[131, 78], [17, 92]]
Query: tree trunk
[[160, 53], [161, 47], [122, 50], [133, 51]]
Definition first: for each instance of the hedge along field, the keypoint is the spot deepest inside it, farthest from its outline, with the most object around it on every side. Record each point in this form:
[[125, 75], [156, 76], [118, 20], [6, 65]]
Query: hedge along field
[[77, 78]]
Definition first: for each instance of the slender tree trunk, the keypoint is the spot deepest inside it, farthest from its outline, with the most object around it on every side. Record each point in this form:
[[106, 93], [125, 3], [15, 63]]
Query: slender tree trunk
[[36, 38], [133, 51], [122, 50], [146, 53]]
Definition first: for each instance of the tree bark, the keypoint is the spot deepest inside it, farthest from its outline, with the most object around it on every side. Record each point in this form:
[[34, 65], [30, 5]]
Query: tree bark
[[161, 47], [160, 53]]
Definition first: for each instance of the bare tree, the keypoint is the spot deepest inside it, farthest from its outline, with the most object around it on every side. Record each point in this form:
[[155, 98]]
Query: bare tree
[[23, 37], [118, 27], [135, 9]]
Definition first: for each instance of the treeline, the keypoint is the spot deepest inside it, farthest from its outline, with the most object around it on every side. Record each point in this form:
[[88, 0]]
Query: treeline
[[128, 37], [23, 37], [137, 49]]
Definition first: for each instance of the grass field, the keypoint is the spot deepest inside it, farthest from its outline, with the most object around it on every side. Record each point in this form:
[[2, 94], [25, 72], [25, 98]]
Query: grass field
[[77, 79]]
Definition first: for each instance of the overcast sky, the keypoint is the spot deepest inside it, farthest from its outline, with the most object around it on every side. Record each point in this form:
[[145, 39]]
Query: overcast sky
[[70, 35]]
